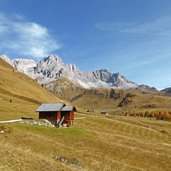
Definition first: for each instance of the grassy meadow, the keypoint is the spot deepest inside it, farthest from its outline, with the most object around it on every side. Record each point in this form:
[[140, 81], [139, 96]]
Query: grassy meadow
[[95, 142]]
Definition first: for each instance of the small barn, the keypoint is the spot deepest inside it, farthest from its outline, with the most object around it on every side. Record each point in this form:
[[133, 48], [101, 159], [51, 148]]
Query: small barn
[[57, 113]]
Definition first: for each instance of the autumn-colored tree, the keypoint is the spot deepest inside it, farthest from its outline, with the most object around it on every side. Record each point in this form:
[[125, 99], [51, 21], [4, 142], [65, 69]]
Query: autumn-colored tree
[[159, 115]]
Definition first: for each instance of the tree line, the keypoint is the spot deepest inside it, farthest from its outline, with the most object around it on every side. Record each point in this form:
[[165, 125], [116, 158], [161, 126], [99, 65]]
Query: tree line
[[157, 114]]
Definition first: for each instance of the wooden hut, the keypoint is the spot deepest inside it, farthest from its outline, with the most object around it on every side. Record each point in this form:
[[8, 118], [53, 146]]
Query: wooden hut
[[57, 113], [68, 113]]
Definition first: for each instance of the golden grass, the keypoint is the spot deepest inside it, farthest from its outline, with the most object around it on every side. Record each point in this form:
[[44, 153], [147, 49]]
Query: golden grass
[[20, 86], [64, 89], [97, 142]]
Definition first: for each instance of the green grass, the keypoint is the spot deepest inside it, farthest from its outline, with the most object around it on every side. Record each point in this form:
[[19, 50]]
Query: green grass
[[50, 131]]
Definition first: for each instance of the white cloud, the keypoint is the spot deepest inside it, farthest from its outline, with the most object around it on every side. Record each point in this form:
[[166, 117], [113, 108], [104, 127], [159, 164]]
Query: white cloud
[[25, 38], [160, 26]]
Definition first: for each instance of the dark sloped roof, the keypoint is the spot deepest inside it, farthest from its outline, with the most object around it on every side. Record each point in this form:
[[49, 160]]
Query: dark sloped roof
[[68, 108], [50, 107]]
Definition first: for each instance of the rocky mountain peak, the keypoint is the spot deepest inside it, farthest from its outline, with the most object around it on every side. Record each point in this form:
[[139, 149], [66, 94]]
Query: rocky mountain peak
[[24, 65], [52, 68], [52, 58]]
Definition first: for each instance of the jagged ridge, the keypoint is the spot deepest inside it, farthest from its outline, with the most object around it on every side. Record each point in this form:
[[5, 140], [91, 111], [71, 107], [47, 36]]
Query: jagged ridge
[[52, 68]]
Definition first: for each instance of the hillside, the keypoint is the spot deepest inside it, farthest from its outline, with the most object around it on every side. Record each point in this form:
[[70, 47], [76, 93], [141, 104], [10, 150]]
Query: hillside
[[94, 143], [64, 88], [129, 100], [19, 94], [167, 91], [113, 100]]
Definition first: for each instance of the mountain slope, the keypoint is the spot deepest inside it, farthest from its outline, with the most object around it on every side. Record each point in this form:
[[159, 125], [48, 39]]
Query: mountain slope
[[52, 68], [114, 100], [64, 89], [95, 143], [104, 99], [167, 91], [19, 94]]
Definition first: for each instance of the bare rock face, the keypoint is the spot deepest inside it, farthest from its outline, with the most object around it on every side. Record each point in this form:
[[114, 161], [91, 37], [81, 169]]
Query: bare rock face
[[25, 65], [52, 68], [22, 65]]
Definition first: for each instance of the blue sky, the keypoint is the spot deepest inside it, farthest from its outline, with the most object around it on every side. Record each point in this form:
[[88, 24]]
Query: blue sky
[[132, 37]]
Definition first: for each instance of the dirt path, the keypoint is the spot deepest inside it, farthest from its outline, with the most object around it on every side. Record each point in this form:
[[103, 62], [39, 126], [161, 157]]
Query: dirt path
[[10, 121]]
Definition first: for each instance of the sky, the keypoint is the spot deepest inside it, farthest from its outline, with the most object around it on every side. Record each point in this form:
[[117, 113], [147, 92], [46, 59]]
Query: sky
[[132, 37]]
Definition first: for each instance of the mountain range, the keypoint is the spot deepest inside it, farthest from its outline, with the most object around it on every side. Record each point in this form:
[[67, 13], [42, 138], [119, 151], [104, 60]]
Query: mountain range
[[52, 68], [97, 89]]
